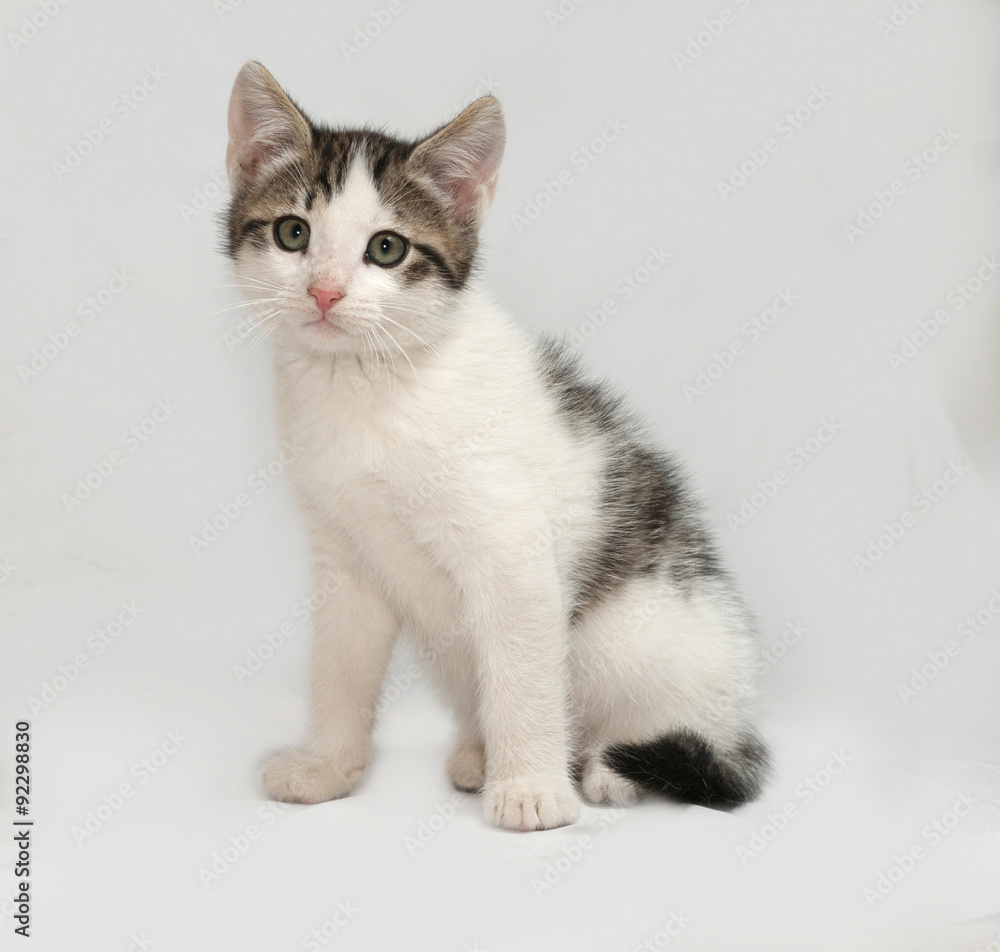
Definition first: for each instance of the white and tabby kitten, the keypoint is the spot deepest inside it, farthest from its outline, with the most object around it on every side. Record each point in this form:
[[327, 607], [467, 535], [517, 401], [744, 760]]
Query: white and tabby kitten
[[473, 488]]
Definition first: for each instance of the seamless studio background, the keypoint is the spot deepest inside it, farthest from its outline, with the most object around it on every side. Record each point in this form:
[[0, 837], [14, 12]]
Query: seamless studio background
[[774, 224]]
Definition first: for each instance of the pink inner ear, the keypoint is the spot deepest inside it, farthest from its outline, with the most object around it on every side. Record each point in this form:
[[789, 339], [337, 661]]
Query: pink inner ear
[[463, 158], [471, 187], [465, 196], [244, 150], [263, 122], [251, 155]]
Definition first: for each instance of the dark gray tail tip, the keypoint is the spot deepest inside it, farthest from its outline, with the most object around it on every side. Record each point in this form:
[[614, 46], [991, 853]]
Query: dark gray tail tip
[[685, 766]]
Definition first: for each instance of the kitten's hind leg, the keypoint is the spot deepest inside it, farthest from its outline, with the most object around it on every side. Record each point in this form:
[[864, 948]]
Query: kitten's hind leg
[[662, 685], [602, 786], [467, 763]]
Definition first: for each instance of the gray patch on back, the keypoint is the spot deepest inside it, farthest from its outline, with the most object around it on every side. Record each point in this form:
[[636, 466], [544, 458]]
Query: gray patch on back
[[648, 518]]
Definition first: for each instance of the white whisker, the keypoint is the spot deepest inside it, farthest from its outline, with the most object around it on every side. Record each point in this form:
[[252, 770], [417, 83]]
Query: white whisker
[[411, 332], [403, 352], [257, 321], [376, 330], [234, 307]]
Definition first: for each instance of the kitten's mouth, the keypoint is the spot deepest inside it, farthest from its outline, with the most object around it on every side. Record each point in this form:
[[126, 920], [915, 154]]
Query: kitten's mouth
[[324, 325]]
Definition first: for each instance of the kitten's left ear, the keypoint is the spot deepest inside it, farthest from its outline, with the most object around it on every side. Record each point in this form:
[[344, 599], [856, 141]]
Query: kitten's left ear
[[462, 159], [264, 125]]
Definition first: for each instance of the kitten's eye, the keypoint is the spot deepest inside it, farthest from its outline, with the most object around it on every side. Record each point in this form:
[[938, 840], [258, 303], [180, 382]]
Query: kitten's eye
[[292, 234], [386, 249]]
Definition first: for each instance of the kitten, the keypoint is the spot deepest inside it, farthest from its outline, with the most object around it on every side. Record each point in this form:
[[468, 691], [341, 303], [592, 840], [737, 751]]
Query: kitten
[[470, 486]]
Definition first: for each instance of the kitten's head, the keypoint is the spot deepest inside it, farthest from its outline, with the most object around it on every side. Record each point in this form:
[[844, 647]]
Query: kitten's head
[[350, 238]]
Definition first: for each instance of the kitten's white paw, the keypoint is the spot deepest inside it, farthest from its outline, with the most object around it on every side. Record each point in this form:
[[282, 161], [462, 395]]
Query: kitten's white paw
[[298, 776], [601, 786], [467, 765], [530, 804]]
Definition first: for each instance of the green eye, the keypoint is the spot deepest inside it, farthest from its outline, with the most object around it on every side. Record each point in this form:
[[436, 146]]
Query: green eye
[[292, 234], [386, 249]]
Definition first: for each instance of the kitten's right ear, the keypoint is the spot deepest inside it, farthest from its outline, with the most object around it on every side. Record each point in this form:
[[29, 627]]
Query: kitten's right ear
[[264, 125]]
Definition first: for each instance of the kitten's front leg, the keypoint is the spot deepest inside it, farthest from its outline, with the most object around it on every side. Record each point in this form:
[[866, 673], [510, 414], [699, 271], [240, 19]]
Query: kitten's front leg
[[353, 641], [523, 718]]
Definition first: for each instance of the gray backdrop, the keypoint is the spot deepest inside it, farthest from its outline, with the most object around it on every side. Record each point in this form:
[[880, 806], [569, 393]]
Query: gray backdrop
[[772, 223]]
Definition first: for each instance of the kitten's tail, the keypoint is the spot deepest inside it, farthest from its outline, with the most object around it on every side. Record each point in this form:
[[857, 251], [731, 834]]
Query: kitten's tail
[[686, 766]]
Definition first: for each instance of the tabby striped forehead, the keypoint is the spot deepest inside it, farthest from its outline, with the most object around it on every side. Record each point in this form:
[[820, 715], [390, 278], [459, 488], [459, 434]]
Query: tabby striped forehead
[[444, 248]]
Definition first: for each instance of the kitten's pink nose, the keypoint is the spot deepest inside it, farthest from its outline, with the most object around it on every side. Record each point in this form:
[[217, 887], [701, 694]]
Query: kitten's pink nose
[[326, 297]]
